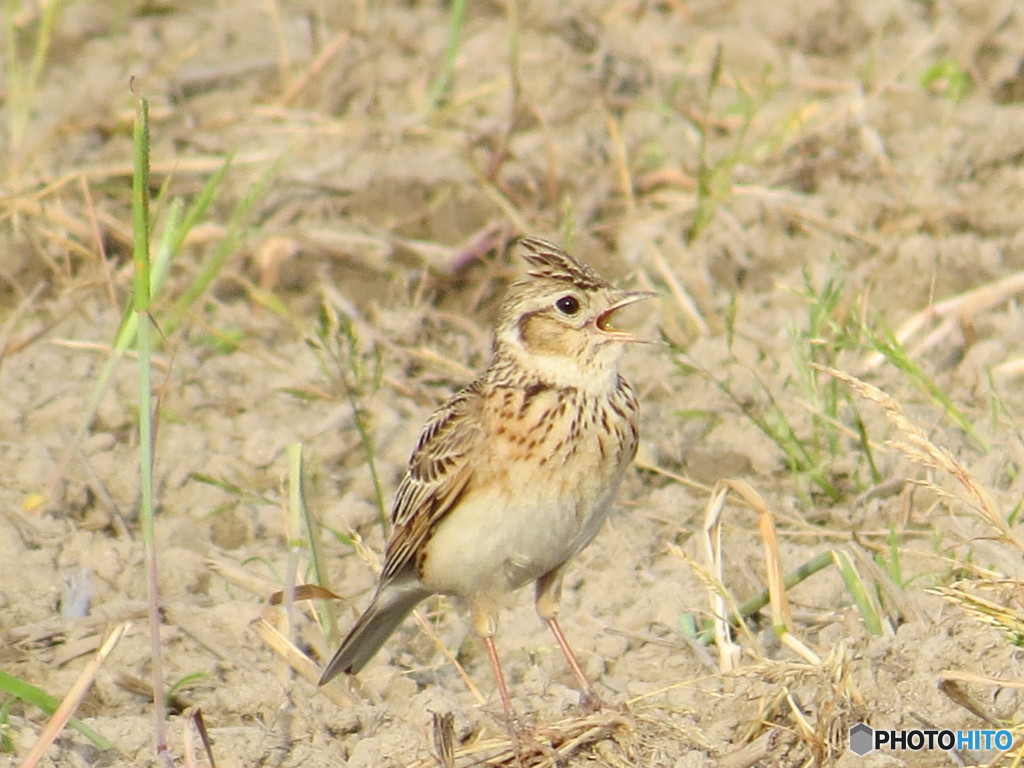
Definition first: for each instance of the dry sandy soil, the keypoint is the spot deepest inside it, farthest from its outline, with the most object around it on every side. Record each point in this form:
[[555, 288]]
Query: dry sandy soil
[[843, 167]]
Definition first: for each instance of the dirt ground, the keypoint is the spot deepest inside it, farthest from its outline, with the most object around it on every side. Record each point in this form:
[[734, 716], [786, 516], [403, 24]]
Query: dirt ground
[[796, 179]]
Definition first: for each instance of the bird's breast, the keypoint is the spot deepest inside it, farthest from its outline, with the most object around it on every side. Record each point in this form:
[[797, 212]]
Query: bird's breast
[[543, 482], [561, 434]]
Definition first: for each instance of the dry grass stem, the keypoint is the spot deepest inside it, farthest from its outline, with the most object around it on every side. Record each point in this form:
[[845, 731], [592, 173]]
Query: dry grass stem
[[625, 177], [921, 450], [782, 619], [546, 745], [242, 577], [428, 630], [314, 69], [682, 298], [975, 678], [1005, 617], [952, 312], [728, 651], [298, 661], [73, 698]]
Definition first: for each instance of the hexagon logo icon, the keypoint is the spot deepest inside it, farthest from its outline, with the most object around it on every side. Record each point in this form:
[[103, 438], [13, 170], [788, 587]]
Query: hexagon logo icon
[[861, 739]]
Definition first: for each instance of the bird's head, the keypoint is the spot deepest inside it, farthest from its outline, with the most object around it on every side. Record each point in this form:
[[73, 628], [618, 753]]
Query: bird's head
[[559, 317]]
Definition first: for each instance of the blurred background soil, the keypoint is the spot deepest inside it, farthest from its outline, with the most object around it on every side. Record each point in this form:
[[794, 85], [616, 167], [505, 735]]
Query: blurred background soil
[[797, 180]]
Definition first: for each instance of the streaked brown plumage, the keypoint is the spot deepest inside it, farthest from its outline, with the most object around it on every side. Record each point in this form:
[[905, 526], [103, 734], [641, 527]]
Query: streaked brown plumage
[[514, 475]]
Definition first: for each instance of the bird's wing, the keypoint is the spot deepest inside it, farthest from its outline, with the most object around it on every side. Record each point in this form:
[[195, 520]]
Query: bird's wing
[[440, 470]]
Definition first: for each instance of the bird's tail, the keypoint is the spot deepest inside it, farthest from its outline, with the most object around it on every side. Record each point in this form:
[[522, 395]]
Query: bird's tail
[[387, 609]]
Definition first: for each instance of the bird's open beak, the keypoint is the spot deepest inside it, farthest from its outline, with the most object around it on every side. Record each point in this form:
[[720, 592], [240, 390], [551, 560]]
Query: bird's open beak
[[622, 299]]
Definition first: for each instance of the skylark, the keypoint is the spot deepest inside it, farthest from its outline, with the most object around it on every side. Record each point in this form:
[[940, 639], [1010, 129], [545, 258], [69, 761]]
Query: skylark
[[514, 475]]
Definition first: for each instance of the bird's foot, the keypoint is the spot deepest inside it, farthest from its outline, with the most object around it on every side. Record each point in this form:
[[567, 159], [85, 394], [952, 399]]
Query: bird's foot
[[590, 702]]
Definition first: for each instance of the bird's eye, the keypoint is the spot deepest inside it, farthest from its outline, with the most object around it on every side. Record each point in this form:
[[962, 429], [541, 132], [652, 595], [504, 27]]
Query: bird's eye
[[568, 305]]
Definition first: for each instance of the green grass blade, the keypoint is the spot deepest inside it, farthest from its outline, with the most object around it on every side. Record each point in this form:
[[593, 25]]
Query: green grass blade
[[175, 687], [865, 443], [43, 701], [199, 207], [141, 303], [440, 84], [858, 591], [886, 344], [895, 564], [337, 344], [306, 526], [705, 634], [228, 244], [174, 233], [817, 563]]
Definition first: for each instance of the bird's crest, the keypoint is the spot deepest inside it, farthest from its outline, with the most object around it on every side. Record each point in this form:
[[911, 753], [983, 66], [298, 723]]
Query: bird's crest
[[550, 261]]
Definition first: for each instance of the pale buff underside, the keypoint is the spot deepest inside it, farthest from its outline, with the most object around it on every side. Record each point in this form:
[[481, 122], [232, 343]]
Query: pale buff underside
[[537, 497]]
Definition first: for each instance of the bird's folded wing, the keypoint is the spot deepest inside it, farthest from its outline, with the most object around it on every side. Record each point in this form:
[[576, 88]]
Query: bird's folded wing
[[440, 471]]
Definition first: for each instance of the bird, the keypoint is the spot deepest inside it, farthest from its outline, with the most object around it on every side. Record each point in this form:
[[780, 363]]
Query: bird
[[515, 474]]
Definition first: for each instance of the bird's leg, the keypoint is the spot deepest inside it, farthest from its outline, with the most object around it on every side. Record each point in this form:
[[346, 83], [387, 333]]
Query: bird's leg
[[499, 676], [590, 699], [486, 626], [549, 590]]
